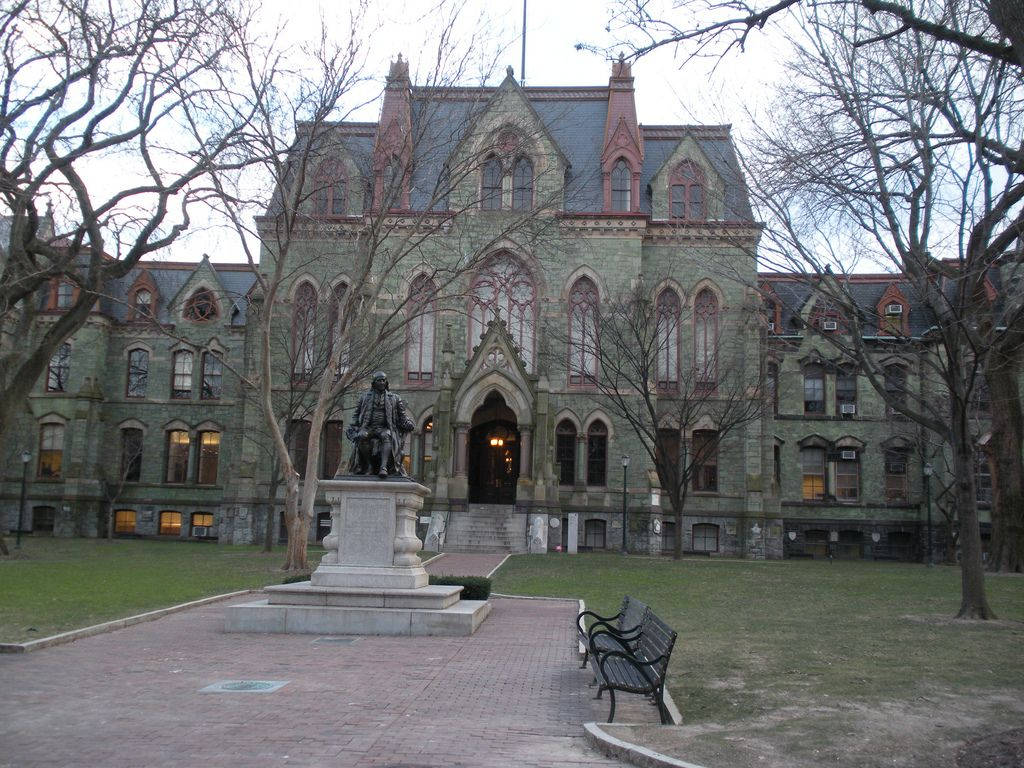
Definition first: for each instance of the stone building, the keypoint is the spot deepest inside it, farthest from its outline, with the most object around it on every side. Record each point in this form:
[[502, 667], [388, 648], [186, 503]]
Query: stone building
[[519, 451]]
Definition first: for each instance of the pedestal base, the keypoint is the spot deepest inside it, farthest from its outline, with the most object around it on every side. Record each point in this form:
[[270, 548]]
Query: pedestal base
[[460, 619]]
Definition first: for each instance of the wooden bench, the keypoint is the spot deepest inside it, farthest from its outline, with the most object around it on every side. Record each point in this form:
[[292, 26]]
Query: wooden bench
[[612, 631], [638, 669]]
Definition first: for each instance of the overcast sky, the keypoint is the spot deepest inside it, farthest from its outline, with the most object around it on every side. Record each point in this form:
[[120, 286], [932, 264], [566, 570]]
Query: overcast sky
[[665, 92]]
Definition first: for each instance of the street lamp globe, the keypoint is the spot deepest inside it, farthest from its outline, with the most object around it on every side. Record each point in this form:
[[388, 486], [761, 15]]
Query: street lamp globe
[[26, 457]]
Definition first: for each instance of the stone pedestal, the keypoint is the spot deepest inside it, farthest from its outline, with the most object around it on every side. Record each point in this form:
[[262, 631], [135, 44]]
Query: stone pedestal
[[370, 581]]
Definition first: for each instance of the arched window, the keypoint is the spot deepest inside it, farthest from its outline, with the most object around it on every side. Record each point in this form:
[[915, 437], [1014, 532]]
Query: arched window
[[213, 377], [582, 332], [209, 458], [565, 452], [420, 347], [201, 306], [686, 192], [668, 308], [329, 188], [490, 185], [597, 454], [131, 454], [504, 290], [143, 303], [178, 446], [304, 331], [522, 185], [181, 377], [59, 370], [895, 390], [622, 183], [705, 338], [814, 389], [51, 451]]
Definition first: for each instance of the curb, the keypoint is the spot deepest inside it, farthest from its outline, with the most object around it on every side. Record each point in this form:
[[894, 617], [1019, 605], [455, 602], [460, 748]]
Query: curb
[[438, 556], [494, 570], [633, 753], [110, 626]]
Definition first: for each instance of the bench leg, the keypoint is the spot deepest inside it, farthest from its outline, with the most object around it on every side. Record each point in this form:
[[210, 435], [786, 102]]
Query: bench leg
[[586, 655], [662, 709], [611, 711], [600, 690]]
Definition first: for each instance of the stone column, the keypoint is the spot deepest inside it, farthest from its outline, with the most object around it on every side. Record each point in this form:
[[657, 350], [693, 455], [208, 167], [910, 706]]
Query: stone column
[[573, 531], [581, 461], [461, 441], [525, 452]]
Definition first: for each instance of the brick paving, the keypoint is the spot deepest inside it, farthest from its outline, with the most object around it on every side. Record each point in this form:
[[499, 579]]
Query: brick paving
[[511, 695], [464, 564]]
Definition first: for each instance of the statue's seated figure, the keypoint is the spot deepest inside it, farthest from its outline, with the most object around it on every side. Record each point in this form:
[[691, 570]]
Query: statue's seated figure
[[378, 431]]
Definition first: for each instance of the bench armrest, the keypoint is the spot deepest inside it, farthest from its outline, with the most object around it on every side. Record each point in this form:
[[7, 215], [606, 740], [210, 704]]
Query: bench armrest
[[616, 640], [629, 633], [579, 620]]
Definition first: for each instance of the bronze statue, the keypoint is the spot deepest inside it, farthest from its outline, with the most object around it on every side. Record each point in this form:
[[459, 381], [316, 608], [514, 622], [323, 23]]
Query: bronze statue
[[378, 431]]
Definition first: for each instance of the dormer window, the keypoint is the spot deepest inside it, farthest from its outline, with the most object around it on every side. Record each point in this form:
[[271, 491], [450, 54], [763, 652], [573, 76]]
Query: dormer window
[[329, 187], [143, 303], [201, 306], [65, 295], [686, 192], [621, 186]]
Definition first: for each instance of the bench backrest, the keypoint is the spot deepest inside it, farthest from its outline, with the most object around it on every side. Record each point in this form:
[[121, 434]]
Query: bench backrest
[[633, 612], [656, 639]]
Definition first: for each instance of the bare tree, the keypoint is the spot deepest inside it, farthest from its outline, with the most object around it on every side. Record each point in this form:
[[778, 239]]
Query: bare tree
[[684, 415], [865, 162], [86, 87]]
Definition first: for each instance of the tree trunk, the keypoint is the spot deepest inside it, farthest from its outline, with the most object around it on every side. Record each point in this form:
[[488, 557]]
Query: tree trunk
[[973, 603], [3, 547], [1006, 463], [268, 530], [295, 554]]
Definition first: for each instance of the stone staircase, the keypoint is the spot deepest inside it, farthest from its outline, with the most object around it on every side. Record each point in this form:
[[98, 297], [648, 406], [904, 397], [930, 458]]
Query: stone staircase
[[486, 528]]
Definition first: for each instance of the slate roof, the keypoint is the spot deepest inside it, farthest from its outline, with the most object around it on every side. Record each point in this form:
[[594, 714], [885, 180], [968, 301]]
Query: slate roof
[[574, 117], [169, 278]]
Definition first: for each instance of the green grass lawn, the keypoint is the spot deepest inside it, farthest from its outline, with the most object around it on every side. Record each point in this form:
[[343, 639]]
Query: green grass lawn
[[54, 585], [757, 636]]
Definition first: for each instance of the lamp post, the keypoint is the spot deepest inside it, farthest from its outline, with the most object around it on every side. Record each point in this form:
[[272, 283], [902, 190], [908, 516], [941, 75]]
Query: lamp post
[[625, 466], [928, 505], [25, 458]]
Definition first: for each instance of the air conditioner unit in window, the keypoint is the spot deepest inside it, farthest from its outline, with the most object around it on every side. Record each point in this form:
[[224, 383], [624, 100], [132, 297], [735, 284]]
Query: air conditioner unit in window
[[847, 409], [896, 468], [199, 531], [829, 325], [771, 327], [848, 455], [894, 309]]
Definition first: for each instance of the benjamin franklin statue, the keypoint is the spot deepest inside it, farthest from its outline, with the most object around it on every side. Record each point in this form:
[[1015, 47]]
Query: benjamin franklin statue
[[378, 431]]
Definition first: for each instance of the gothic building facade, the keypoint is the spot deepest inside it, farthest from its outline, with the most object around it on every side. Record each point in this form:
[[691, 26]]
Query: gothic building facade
[[566, 202]]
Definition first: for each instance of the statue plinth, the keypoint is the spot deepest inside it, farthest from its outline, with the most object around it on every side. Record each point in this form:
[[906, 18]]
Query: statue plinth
[[373, 541], [370, 581]]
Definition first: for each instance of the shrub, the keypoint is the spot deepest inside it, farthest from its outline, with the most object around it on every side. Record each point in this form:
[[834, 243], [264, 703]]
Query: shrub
[[473, 587], [296, 577]]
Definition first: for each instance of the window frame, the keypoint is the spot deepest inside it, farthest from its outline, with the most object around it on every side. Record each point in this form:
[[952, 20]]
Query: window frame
[[58, 370], [491, 184], [420, 332], [206, 391], [845, 491], [137, 380], [704, 538], [205, 457], [179, 374], [597, 454], [304, 312], [687, 200], [121, 526], [566, 438], [704, 475], [706, 309], [522, 184], [805, 452], [668, 313], [201, 306], [172, 527], [51, 434], [814, 372], [131, 460], [621, 184], [896, 485], [583, 306], [177, 459]]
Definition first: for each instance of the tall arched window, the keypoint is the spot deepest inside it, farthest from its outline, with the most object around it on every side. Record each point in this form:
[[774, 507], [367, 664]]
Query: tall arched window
[[59, 369], [504, 290], [621, 186], [522, 185], [565, 452], [490, 185], [597, 454], [329, 188], [181, 375], [705, 338], [143, 303], [686, 192], [668, 308], [420, 348], [582, 331], [304, 331], [51, 451]]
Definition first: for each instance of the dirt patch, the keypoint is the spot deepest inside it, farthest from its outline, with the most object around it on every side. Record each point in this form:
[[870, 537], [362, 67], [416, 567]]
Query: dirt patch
[[940, 729], [1000, 750]]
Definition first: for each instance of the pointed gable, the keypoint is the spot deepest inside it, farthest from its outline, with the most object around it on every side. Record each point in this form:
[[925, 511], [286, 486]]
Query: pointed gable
[[893, 312], [204, 278], [688, 157], [393, 146], [496, 365], [622, 139]]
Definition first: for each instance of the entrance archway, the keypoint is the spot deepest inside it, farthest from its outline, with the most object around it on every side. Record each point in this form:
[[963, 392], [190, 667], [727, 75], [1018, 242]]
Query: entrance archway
[[493, 453]]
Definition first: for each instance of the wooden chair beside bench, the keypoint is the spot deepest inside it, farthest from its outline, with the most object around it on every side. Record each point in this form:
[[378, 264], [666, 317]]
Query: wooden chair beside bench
[[612, 632], [638, 665]]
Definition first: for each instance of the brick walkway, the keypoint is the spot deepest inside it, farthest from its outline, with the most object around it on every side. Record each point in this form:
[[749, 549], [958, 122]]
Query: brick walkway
[[464, 564], [511, 695]]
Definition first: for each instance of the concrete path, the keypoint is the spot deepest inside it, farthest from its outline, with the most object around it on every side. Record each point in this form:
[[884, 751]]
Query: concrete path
[[511, 695], [464, 564]]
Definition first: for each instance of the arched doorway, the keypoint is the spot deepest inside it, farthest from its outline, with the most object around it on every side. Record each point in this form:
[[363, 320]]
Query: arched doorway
[[493, 453]]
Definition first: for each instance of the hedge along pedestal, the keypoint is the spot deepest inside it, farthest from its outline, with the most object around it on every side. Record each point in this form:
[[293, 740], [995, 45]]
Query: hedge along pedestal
[[370, 581]]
